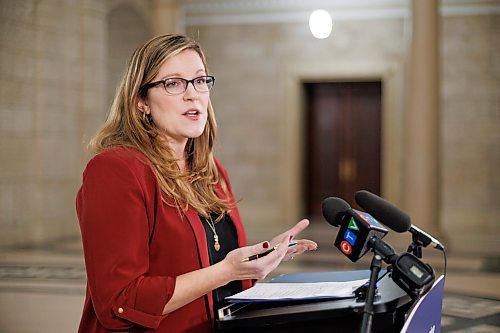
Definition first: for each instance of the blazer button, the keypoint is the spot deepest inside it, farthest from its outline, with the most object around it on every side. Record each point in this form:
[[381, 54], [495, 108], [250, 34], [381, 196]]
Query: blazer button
[[120, 310]]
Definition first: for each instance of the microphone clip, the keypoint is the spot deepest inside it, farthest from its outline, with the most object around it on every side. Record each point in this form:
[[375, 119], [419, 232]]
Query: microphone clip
[[362, 291], [416, 246]]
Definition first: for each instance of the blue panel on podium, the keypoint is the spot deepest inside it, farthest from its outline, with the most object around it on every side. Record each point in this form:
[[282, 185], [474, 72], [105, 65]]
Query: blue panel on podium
[[425, 317]]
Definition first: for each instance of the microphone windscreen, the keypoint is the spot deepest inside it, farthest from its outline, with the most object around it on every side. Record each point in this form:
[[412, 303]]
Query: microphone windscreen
[[334, 209], [382, 210]]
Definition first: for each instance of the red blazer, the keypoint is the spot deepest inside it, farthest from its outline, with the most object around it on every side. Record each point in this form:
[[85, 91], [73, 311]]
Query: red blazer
[[129, 278]]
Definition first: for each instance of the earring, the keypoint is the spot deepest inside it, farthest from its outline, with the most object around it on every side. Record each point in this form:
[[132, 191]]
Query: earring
[[146, 118]]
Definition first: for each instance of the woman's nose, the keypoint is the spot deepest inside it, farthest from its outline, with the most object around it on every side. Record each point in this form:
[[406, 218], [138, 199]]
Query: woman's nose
[[190, 92]]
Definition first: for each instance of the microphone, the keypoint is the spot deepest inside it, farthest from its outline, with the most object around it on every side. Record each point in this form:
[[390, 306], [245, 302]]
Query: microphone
[[393, 217], [360, 232], [356, 227], [334, 210]]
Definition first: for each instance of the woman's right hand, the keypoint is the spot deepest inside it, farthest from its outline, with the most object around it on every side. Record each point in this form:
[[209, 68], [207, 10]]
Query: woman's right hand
[[258, 268]]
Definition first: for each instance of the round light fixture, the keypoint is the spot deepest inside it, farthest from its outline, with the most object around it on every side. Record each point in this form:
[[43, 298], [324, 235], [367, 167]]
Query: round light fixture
[[320, 23]]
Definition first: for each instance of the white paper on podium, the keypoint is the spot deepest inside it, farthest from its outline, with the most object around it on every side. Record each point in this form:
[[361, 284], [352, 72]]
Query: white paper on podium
[[297, 291]]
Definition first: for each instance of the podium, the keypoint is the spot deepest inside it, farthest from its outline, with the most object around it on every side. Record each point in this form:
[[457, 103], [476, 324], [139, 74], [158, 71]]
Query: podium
[[340, 315], [425, 315]]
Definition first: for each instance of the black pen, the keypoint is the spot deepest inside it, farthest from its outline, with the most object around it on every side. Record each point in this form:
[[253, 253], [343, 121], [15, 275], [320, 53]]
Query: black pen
[[263, 254]]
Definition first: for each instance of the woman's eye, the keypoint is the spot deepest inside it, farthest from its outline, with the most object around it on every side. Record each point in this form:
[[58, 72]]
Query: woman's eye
[[172, 84]]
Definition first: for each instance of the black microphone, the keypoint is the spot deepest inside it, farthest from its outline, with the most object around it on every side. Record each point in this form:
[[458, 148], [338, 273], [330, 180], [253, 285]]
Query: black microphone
[[356, 227], [360, 232], [334, 210], [393, 217]]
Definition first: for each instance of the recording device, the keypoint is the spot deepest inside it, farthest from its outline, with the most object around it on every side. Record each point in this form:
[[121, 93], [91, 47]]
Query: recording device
[[408, 272], [394, 218], [360, 232], [411, 274], [356, 227]]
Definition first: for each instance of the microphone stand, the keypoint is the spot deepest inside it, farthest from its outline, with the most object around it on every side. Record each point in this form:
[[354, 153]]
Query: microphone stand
[[416, 246], [376, 265]]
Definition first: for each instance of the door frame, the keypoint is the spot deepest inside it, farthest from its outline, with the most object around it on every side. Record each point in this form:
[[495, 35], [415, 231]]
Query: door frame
[[391, 74]]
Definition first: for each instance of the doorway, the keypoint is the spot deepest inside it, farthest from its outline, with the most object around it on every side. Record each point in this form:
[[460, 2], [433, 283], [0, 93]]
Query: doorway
[[343, 135]]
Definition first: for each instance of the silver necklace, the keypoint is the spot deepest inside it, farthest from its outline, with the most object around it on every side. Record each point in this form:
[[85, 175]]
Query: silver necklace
[[211, 224]]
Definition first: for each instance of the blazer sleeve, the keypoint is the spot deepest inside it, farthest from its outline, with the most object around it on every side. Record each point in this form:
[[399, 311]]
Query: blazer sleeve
[[112, 214]]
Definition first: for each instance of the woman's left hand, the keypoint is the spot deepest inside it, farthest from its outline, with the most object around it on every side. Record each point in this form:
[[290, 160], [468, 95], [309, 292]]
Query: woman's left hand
[[302, 246]]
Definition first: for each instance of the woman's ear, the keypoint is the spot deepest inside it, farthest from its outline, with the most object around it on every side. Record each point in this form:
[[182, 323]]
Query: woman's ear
[[143, 106]]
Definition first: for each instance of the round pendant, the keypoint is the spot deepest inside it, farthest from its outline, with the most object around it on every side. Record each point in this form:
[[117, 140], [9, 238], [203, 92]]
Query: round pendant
[[217, 246]]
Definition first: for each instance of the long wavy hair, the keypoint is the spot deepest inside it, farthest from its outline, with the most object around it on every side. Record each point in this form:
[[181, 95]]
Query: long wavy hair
[[126, 127]]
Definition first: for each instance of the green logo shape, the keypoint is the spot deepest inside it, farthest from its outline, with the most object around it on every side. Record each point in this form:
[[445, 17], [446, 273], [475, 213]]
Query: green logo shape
[[352, 225]]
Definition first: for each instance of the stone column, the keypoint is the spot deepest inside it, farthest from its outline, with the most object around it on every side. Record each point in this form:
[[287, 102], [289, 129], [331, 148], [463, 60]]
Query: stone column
[[168, 17], [421, 156]]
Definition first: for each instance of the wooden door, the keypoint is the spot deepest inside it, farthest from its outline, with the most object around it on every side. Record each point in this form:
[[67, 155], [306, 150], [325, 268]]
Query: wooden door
[[342, 152]]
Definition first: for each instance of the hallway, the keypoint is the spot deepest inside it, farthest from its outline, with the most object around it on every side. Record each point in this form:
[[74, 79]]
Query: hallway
[[437, 124], [42, 288]]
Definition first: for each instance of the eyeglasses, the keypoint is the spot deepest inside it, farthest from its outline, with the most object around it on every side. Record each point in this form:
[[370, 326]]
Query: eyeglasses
[[178, 85]]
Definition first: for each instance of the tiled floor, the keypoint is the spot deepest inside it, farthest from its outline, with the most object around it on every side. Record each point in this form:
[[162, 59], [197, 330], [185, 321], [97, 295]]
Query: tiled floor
[[42, 288]]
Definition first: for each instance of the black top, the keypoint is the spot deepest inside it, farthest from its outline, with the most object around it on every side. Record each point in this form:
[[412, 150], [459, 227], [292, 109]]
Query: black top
[[228, 240]]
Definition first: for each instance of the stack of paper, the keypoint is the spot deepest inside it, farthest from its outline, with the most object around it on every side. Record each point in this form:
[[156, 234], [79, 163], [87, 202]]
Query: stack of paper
[[297, 291]]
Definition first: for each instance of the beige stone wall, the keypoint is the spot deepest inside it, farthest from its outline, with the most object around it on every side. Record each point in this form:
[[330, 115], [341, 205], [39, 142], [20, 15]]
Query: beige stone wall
[[51, 79], [52, 99], [257, 98], [258, 103], [57, 65], [471, 131]]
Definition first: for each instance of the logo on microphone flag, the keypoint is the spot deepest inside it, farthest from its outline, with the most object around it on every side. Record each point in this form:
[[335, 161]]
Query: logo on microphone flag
[[350, 237], [346, 247], [352, 225]]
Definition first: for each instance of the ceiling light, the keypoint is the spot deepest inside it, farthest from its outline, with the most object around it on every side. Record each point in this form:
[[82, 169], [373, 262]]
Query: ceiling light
[[320, 23]]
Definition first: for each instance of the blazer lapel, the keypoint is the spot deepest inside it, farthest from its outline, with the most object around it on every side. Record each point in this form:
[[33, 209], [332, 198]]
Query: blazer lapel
[[199, 233], [201, 241]]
